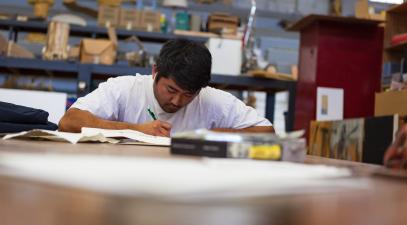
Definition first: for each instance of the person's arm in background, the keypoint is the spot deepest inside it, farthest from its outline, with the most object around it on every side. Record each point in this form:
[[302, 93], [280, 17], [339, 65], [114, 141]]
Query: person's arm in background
[[397, 151], [74, 119]]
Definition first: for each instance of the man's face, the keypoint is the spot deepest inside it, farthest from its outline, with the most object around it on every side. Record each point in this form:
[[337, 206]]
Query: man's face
[[170, 96]]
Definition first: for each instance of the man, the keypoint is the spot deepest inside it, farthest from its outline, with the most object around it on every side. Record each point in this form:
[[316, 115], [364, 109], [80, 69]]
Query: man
[[176, 93]]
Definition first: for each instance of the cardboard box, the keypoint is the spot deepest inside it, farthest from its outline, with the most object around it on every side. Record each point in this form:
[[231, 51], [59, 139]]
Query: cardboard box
[[11, 49], [150, 21], [99, 51], [56, 47], [362, 9], [108, 16], [74, 53], [222, 23], [110, 2], [226, 52], [389, 103], [129, 18], [41, 7]]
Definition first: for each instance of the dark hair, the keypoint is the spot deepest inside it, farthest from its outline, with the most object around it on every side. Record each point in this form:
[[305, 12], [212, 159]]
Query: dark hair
[[188, 63]]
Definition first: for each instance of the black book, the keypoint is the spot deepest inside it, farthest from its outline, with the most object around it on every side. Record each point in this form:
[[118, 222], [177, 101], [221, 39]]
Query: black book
[[233, 145], [199, 147], [379, 132]]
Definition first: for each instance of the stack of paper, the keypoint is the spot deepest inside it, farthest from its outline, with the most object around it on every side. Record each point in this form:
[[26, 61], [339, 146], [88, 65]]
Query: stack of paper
[[92, 134]]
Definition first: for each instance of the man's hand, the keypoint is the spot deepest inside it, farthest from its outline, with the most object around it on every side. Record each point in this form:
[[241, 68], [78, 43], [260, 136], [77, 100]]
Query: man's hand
[[396, 154], [156, 128], [75, 119]]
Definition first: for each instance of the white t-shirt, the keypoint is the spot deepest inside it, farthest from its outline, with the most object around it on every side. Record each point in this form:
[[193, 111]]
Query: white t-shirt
[[127, 98]]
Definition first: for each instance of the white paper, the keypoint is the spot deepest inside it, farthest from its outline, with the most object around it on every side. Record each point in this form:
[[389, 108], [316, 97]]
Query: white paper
[[47, 134], [177, 178], [92, 134], [329, 104], [130, 134]]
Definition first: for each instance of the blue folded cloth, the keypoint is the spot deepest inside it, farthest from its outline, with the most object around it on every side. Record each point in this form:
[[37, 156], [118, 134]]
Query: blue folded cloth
[[21, 114], [16, 118]]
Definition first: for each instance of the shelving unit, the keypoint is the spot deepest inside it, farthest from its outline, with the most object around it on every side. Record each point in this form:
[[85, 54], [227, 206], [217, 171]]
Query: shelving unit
[[14, 27], [86, 73], [396, 23], [241, 12]]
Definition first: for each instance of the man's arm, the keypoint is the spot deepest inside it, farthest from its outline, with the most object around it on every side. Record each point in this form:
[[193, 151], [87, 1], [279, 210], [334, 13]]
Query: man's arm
[[396, 153], [254, 129], [74, 119]]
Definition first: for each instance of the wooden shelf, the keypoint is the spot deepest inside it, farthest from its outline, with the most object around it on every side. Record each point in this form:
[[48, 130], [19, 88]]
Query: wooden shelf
[[94, 31], [86, 73], [240, 11], [396, 23], [397, 48], [229, 82]]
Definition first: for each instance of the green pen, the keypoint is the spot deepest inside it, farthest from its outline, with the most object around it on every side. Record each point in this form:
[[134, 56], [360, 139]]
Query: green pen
[[151, 113]]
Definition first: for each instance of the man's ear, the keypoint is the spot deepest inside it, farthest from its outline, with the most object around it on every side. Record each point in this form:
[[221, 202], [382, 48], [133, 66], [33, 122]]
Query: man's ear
[[154, 72]]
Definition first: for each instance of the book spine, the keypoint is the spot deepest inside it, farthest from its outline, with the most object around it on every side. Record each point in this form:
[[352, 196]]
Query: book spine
[[199, 147]]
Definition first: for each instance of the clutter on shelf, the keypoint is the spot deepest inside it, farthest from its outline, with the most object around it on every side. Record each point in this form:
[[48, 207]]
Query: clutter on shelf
[[364, 11], [272, 73], [11, 49], [137, 57], [41, 7], [131, 19], [99, 51], [56, 47], [222, 23]]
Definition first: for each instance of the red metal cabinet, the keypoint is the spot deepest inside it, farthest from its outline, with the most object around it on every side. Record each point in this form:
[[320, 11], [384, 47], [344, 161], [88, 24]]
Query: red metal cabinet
[[338, 52]]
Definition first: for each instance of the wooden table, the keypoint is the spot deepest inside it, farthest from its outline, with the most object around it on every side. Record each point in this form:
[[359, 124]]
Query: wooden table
[[33, 202]]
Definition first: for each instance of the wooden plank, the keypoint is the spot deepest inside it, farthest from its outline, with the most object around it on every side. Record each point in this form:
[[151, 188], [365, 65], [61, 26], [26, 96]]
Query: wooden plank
[[308, 20]]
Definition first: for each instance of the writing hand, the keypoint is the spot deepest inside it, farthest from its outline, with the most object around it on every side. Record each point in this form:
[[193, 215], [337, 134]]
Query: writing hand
[[156, 128]]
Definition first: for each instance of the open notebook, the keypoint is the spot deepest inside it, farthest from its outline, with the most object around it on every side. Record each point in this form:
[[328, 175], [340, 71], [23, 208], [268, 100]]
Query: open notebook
[[94, 135]]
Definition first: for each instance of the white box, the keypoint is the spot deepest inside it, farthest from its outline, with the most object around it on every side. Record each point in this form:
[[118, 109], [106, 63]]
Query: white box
[[52, 102], [226, 56]]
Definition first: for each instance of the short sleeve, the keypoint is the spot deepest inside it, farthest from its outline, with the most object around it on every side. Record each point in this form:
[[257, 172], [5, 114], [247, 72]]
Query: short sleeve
[[239, 115], [105, 101], [230, 112]]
